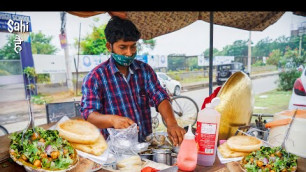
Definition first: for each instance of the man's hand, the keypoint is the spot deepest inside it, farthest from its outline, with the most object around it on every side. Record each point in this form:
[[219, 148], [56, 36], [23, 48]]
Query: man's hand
[[120, 122], [176, 134], [110, 121]]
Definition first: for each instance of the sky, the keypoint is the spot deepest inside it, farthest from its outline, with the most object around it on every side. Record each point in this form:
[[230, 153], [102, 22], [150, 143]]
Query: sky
[[190, 40]]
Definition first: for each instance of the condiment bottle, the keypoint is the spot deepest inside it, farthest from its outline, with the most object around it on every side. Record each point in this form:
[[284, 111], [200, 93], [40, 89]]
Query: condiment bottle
[[207, 133], [188, 153]]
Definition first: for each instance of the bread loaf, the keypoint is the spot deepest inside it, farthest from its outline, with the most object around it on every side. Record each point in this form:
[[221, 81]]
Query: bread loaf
[[79, 131], [132, 163], [226, 152], [96, 149], [244, 143]]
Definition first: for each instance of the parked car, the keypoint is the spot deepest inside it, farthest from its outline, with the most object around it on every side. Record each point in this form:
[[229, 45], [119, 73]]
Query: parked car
[[298, 97], [224, 71], [172, 85]]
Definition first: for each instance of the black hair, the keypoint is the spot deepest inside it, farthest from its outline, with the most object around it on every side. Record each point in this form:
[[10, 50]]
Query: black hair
[[118, 28]]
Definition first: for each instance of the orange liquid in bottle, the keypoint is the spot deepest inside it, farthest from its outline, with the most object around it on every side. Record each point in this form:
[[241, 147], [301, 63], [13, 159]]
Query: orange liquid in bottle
[[188, 153]]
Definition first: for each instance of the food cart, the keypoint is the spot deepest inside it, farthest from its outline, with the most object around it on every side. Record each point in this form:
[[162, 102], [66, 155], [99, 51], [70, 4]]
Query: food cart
[[238, 84], [233, 94]]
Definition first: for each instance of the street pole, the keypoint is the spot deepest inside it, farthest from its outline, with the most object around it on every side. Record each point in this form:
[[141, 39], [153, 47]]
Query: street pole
[[300, 47], [211, 33], [249, 54], [66, 51]]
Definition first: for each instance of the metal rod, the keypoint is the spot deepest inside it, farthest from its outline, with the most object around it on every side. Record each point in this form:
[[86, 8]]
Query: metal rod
[[263, 115], [287, 132], [211, 52], [249, 53], [77, 66], [31, 124]]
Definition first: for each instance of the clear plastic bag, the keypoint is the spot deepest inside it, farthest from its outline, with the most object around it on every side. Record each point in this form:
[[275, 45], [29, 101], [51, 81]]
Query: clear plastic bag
[[125, 141]]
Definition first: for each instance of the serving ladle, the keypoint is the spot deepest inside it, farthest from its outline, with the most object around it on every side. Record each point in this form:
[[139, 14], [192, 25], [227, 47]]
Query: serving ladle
[[287, 132], [31, 120]]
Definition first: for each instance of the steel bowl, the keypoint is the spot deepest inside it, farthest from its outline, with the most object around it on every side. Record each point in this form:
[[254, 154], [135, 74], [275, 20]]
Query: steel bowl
[[162, 156], [31, 168]]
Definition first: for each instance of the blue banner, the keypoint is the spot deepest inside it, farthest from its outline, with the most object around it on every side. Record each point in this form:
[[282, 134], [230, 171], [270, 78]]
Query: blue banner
[[15, 23], [143, 58]]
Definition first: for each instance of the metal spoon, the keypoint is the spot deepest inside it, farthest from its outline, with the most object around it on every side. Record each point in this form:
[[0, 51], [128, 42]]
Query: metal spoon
[[31, 120], [287, 132]]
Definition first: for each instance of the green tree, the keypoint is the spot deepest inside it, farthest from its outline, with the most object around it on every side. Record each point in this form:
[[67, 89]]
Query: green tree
[[293, 55], [41, 44], [176, 62], [94, 43], [280, 43], [193, 63], [151, 43], [262, 48], [8, 52], [216, 52], [274, 57], [238, 48], [294, 42]]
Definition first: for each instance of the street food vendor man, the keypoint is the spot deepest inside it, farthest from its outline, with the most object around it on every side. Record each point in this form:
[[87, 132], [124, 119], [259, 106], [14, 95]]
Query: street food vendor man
[[117, 92]]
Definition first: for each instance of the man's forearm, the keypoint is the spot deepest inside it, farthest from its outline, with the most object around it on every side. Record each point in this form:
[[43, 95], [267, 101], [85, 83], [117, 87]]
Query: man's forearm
[[166, 111], [100, 121]]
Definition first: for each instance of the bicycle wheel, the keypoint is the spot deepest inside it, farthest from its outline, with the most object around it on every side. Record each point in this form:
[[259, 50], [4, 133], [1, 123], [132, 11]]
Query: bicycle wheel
[[185, 110], [3, 131], [155, 122]]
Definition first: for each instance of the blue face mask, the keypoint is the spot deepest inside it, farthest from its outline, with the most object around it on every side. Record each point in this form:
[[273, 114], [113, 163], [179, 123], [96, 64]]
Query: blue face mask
[[123, 60]]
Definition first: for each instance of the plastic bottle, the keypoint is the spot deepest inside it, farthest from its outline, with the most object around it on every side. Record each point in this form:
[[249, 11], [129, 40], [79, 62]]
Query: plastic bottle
[[188, 153], [207, 133]]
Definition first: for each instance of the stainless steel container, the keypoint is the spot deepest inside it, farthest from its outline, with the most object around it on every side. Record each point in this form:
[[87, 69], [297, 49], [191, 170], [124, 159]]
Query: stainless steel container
[[173, 158], [162, 156], [176, 149], [147, 156]]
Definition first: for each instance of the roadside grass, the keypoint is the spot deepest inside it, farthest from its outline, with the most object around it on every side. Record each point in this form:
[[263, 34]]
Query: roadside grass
[[194, 79], [271, 102], [41, 99], [263, 69]]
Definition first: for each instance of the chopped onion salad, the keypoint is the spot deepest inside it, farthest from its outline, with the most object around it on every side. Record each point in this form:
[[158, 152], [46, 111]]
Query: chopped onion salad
[[46, 149], [268, 159]]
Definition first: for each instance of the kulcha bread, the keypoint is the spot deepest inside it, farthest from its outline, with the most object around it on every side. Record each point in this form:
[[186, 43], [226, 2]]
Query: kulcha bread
[[132, 163], [96, 149], [226, 152], [79, 131], [244, 143]]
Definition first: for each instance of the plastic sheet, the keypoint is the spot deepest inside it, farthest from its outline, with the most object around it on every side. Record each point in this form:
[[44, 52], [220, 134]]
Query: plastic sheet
[[124, 142]]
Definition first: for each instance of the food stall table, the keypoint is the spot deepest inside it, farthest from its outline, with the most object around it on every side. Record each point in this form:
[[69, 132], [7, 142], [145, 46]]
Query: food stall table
[[7, 166]]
